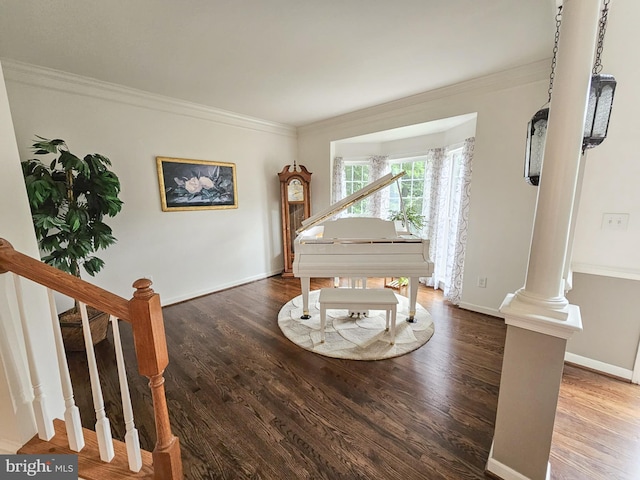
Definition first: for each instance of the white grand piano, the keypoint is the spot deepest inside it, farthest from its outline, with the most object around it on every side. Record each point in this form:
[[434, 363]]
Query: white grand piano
[[359, 247]]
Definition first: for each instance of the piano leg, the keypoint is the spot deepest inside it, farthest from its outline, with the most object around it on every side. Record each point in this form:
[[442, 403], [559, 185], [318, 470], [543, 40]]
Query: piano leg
[[305, 283], [413, 297]]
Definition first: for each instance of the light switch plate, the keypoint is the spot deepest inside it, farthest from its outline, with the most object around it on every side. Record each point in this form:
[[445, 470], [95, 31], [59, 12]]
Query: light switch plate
[[615, 221]]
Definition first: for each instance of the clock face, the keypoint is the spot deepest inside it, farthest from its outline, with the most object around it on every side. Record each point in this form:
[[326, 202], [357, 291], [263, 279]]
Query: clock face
[[295, 191]]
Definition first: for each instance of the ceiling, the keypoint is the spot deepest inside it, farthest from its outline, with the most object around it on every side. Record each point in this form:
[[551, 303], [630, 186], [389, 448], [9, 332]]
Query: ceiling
[[288, 61]]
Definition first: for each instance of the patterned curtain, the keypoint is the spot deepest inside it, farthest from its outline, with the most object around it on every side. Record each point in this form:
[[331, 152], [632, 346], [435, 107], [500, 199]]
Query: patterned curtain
[[446, 212], [379, 202], [436, 182], [338, 187], [458, 225]]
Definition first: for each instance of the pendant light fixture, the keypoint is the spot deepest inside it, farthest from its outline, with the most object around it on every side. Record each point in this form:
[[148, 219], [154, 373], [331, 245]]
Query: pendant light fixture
[[537, 128], [601, 93]]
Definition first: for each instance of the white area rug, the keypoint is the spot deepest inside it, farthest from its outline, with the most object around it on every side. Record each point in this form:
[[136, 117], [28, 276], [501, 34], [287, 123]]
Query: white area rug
[[362, 338]]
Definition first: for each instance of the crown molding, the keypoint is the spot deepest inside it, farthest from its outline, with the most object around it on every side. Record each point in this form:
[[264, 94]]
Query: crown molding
[[49, 78], [522, 75]]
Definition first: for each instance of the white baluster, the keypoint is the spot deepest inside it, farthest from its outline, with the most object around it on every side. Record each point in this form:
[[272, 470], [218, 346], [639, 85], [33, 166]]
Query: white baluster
[[71, 413], [18, 379], [103, 427], [131, 437], [44, 422]]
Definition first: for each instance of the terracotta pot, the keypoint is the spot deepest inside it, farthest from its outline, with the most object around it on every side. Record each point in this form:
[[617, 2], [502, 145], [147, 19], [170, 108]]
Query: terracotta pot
[[71, 326]]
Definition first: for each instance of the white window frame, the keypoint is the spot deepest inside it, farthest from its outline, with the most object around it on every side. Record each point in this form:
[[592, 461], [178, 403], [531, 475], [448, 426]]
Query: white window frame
[[350, 163], [411, 159]]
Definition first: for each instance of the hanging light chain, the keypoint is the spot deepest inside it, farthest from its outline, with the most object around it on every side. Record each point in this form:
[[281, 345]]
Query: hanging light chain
[[555, 51], [602, 27], [597, 66]]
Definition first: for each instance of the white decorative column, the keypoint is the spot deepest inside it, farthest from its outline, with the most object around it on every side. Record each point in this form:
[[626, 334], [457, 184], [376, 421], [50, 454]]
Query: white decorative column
[[538, 316]]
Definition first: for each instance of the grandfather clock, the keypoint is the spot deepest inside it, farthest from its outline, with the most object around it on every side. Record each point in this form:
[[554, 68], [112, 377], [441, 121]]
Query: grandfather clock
[[296, 206]]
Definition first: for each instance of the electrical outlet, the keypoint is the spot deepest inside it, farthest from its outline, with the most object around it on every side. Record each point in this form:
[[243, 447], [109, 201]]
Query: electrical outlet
[[615, 221], [482, 282]]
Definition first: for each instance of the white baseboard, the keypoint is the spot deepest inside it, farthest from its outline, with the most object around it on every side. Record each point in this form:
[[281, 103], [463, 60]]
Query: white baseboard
[[507, 473], [494, 312], [8, 447], [181, 298], [599, 366]]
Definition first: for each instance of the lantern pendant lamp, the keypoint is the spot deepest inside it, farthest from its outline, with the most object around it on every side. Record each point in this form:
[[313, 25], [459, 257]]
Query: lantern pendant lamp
[[537, 128], [599, 110], [599, 107], [536, 136]]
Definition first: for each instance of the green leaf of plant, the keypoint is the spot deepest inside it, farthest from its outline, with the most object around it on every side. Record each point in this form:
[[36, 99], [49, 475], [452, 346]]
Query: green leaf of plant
[[73, 220], [70, 162], [93, 265], [49, 243], [103, 236], [59, 260], [52, 222]]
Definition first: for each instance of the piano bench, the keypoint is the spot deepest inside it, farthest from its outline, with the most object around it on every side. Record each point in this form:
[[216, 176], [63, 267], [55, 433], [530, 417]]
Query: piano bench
[[359, 299]]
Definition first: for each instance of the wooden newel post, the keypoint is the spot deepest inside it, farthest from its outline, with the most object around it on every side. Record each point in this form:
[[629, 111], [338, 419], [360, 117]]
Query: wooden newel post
[[153, 358]]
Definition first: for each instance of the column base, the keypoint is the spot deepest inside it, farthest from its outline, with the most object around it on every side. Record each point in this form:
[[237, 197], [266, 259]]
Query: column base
[[539, 318], [500, 470], [554, 307]]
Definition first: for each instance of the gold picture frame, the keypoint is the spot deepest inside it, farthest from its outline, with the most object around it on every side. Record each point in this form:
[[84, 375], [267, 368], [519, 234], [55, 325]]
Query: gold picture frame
[[196, 184]]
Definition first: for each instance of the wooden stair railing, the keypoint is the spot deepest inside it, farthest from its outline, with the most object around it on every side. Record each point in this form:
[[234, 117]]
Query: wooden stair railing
[[144, 313]]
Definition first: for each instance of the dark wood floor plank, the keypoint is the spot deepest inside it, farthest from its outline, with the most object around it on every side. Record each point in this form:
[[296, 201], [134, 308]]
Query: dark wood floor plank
[[247, 403]]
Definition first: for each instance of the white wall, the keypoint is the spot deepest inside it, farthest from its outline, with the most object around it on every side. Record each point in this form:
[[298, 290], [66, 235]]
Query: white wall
[[186, 253], [17, 425], [611, 329], [502, 204], [612, 169]]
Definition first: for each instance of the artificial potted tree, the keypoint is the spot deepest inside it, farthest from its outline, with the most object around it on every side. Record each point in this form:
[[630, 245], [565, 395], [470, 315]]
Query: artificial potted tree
[[69, 196]]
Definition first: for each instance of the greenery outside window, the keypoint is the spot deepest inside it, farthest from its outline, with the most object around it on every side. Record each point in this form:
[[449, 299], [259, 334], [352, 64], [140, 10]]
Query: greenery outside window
[[411, 185], [356, 176]]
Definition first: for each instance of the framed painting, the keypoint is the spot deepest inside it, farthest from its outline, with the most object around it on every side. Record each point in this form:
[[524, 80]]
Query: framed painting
[[196, 184]]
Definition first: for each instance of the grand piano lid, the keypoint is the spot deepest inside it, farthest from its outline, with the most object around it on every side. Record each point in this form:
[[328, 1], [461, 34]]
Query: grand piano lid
[[346, 202]]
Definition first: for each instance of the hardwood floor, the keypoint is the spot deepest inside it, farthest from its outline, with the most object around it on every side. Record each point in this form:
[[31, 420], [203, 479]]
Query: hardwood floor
[[247, 403]]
